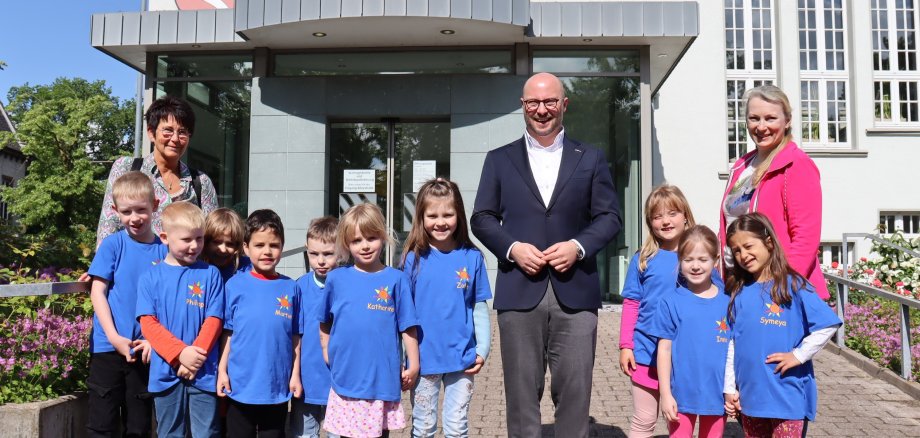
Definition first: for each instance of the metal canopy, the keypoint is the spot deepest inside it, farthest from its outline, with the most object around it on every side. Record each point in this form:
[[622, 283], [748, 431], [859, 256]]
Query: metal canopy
[[668, 28]]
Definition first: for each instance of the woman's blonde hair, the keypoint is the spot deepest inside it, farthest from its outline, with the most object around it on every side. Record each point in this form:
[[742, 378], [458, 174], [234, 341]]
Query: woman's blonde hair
[[366, 217], [775, 95], [663, 197], [224, 221]]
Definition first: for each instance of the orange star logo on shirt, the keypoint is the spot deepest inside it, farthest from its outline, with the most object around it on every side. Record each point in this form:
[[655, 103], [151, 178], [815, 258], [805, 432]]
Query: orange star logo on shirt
[[463, 275], [773, 309], [722, 325], [284, 302], [195, 289], [382, 294]]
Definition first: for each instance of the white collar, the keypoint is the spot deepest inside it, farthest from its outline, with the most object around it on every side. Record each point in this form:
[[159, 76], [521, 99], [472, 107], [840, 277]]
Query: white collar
[[533, 144]]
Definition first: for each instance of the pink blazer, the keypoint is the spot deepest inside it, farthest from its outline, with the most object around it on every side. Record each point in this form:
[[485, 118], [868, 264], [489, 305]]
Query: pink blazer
[[790, 195]]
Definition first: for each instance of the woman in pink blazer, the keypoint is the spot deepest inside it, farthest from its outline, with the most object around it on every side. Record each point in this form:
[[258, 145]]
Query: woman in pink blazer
[[779, 180]]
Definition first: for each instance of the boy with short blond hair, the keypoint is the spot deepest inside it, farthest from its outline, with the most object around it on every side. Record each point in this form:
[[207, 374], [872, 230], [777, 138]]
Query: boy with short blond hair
[[180, 306], [307, 415], [118, 370]]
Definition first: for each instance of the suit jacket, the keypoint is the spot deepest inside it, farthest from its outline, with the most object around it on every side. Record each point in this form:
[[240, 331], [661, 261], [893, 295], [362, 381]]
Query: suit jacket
[[509, 208]]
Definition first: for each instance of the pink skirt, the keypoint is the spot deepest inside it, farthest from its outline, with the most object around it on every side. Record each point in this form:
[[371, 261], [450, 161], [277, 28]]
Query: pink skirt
[[646, 376], [359, 418]]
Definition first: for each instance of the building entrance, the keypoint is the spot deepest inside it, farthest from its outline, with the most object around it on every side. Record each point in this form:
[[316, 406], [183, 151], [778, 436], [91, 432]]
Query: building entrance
[[384, 162]]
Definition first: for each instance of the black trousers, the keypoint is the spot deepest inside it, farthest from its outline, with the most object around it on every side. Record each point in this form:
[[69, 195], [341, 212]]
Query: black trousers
[[118, 397], [247, 421], [562, 338]]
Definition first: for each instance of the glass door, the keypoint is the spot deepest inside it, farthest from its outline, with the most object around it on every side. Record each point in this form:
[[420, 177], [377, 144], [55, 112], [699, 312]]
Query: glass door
[[385, 162]]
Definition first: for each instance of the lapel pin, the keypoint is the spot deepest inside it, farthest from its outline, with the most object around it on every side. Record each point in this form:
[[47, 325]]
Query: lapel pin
[[577, 150]]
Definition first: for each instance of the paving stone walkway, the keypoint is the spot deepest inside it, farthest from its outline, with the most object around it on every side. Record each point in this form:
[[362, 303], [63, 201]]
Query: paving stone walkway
[[851, 403]]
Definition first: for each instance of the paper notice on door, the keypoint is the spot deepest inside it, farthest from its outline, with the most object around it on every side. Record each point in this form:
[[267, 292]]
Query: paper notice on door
[[359, 181], [422, 170]]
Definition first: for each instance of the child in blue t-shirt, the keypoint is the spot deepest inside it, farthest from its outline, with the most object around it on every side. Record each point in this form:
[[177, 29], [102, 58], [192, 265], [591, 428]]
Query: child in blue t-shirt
[[307, 417], [367, 306], [117, 369], [450, 289], [651, 275], [223, 242], [180, 306], [260, 361], [778, 324], [693, 340]]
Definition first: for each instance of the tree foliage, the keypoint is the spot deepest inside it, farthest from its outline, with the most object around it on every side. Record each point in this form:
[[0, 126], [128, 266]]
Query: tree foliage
[[70, 130]]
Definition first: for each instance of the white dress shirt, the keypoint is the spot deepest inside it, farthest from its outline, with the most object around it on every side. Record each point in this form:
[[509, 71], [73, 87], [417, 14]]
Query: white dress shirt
[[544, 164]]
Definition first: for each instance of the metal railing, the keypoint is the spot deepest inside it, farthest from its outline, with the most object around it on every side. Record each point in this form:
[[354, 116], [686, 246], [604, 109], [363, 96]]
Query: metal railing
[[905, 304], [844, 283], [71, 287]]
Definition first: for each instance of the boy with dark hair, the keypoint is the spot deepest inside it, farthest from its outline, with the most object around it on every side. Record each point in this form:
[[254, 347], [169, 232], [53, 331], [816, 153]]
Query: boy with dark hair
[[180, 306], [260, 365], [307, 417], [118, 372]]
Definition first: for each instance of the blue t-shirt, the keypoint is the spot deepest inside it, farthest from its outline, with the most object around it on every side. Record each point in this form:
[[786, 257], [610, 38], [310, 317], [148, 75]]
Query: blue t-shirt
[[121, 260], [698, 330], [368, 311], [445, 288], [181, 298], [264, 316], [314, 373], [761, 327], [648, 287]]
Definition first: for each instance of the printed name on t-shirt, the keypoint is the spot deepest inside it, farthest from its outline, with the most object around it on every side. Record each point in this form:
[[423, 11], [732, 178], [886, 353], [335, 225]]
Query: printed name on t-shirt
[[382, 295], [722, 326], [774, 311], [196, 295], [463, 278], [284, 307]]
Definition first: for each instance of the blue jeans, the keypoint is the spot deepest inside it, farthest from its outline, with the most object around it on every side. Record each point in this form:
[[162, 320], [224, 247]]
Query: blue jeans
[[186, 407], [458, 390], [306, 418]]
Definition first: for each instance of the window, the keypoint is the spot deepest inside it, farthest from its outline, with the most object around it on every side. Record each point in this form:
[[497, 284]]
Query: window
[[218, 87], [894, 62], [907, 222], [823, 72], [7, 181], [604, 110], [749, 42], [830, 252]]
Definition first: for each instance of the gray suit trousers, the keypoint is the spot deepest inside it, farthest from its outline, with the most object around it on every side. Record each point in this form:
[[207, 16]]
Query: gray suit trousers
[[563, 338]]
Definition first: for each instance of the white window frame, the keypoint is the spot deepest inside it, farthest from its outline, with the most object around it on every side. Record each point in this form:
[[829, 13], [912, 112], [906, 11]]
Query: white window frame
[[819, 78], [900, 217], [748, 76], [893, 76], [826, 252]]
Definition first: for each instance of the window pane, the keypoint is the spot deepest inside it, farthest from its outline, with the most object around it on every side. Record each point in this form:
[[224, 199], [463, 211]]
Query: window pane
[[199, 66], [388, 63], [220, 146], [586, 61]]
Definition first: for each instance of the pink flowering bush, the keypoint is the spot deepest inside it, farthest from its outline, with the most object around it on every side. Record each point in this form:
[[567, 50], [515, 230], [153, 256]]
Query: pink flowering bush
[[43, 356], [873, 329], [44, 340]]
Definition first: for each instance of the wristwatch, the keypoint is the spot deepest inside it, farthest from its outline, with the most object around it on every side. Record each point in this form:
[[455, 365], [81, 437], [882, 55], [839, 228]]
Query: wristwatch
[[579, 252]]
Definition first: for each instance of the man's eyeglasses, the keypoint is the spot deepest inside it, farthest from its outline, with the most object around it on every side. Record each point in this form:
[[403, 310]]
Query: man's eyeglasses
[[169, 133], [533, 104]]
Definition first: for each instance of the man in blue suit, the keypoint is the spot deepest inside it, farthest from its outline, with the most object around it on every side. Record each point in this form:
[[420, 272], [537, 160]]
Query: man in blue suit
[[546, 205]]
